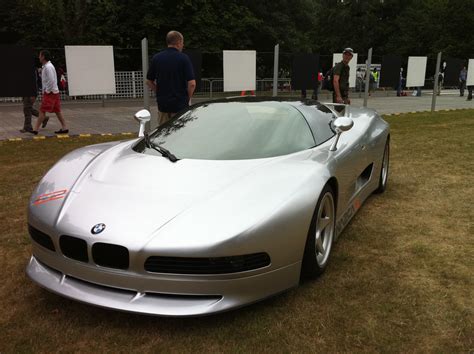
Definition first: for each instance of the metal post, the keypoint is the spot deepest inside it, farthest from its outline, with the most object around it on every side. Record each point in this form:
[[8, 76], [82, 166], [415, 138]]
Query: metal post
[[146, 92], [210, 88], [275, 71], [134, 89], [367, 77], [435, 88]]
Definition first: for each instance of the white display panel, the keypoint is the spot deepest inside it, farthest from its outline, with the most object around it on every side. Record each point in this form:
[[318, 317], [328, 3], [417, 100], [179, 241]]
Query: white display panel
[[90, 70], [337, 58], [470, 73], [416, 71], [240, 70]]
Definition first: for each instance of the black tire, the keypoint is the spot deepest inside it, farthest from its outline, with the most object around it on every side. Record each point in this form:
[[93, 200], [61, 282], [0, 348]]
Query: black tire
[[314, 262], [383, 177]]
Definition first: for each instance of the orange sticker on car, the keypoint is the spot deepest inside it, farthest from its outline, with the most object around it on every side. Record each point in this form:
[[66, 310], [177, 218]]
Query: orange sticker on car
[[48, 197], [357, 204]]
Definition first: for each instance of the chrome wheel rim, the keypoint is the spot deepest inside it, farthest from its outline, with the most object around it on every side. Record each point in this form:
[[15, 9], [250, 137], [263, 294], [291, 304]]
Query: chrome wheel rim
[[385, 165], [324, 229]]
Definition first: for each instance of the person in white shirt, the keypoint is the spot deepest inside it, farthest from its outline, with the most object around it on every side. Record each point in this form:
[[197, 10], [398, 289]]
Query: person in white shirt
[[51, 101]]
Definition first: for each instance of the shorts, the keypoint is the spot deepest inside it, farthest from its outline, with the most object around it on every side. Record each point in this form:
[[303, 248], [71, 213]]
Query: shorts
[[344, 96], [50, 103]]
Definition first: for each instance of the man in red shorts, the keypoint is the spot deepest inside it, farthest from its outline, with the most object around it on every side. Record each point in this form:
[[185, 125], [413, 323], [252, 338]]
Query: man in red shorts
[[51, 101]]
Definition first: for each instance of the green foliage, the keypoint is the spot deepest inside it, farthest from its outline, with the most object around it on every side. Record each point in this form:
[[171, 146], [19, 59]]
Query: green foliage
[[55, 23], [405, 27]]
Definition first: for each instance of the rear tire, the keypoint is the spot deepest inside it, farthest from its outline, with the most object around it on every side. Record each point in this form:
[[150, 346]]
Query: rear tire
[[320, 235], [383, 179]]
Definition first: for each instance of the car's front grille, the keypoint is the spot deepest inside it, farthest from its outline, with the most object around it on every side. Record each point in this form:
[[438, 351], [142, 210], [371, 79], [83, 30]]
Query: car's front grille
[[41, 238], [73, 247], [215, 265], [109, 255]]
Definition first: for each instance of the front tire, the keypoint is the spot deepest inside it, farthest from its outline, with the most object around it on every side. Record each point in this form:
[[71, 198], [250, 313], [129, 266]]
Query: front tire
[[383, 179], [320, 235]]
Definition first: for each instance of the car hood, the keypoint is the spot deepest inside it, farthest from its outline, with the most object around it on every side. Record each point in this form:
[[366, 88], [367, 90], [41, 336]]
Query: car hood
[[137, 195]]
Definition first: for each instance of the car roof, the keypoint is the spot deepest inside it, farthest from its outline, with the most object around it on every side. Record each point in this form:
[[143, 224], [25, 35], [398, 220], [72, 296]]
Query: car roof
[[312, 110], [337, 109], [290, 100]]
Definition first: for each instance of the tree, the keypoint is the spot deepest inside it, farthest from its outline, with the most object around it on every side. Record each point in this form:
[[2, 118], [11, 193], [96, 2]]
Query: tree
[[404, 27]]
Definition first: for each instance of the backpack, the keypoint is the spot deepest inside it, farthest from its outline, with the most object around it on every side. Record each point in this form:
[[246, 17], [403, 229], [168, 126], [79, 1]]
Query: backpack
[[327, 82]]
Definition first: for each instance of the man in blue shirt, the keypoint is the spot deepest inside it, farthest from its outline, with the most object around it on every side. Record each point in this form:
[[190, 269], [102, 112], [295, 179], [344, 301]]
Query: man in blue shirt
[[171, 76]]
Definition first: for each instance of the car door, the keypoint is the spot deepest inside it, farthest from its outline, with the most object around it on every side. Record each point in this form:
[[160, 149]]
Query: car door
[[350, 164]]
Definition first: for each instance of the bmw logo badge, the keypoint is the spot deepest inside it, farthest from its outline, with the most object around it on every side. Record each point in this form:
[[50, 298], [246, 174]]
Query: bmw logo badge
[[97, 229]]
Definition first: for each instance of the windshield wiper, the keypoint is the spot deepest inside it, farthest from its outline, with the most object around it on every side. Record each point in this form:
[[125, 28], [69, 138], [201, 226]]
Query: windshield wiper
[[164, 152]]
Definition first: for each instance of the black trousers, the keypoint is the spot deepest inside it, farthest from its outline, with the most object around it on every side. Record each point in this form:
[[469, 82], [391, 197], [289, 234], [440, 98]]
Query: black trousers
[[28, 111], [462, 86]]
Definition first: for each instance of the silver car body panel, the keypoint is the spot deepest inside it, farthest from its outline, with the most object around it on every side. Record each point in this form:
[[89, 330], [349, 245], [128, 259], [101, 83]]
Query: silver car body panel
[[194, 208]]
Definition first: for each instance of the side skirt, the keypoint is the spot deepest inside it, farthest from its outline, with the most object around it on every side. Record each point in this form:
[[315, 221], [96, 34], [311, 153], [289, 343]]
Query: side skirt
[[354, 205]]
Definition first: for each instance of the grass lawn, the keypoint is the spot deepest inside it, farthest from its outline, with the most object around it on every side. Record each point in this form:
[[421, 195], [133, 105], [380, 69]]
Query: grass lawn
[[400, 278]]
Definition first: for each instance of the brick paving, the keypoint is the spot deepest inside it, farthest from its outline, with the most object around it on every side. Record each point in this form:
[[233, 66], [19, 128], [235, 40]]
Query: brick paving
[[117, 116]]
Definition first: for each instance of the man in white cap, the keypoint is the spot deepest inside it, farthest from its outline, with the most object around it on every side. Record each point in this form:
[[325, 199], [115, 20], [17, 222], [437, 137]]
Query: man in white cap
[[341, 78]]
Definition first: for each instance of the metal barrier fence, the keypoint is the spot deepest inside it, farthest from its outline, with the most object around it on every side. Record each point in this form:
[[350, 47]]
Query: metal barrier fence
[[214, 87], [129, 85]]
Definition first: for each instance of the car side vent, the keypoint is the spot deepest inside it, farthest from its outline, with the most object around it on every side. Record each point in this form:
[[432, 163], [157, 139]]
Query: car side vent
[[41, 238], [364, 177], [111, 256], [216, 265], [73, 247]]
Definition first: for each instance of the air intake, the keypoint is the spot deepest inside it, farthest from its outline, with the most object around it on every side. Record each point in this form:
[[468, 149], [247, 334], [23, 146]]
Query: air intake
[[73, 247], [41, 238], [217, 265], [111, 256]]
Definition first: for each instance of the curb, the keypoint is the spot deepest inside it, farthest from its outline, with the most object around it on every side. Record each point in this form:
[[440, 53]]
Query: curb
[[427, 111], [66, 136], [89, 135]]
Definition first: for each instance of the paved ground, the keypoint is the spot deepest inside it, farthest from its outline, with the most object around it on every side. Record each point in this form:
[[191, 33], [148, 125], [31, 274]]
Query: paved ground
[[117, 116]]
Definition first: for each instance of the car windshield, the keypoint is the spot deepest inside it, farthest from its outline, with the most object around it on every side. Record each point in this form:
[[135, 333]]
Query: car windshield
[[236, 130]]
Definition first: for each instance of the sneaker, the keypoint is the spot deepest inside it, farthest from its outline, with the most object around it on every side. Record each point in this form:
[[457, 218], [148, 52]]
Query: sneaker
[[45, 122], [62, 131], [26, 130], [34, 132]]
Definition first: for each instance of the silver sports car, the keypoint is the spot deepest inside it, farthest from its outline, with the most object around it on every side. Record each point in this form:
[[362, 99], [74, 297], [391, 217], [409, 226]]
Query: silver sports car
[[230, 202]]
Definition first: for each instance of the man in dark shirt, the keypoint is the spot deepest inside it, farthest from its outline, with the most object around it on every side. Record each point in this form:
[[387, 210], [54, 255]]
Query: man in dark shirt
[[28, 108], [341, 78], [462, 81], [171, 76]]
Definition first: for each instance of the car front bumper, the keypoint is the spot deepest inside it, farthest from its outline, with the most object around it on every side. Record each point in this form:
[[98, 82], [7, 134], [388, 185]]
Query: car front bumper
[[156, 294]]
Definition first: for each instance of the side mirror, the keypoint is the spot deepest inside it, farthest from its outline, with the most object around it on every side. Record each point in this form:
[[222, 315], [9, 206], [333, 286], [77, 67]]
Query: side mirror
[[143, 116], [342, 124]]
